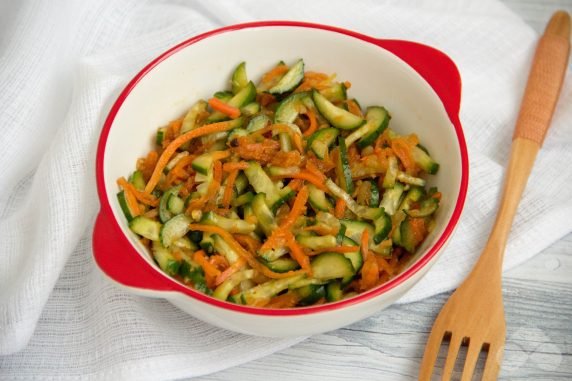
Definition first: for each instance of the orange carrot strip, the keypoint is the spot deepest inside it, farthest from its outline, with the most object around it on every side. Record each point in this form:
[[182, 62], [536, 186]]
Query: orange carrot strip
[[383, 265], [209, 269], [340, 208], [234, 166], [176, 126], [131, 201], [305, 175], [228, 189], [298, 254], [297, 139], [354, 108], [219, 261], [142, 197], [322, 230], [274, 72], [364, 244], [297, 208], [295, 184], [287, 300], [369, 273], [235, 267], [175, 144], [313, 169], [313, 123], [228, 110], [336, 249], [250, 259]]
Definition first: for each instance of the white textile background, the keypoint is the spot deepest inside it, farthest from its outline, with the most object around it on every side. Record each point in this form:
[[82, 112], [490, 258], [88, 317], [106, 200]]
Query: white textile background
[[62, 63]]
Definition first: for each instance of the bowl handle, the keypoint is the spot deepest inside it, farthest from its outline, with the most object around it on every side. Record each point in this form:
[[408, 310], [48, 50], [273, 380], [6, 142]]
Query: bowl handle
[[435, 67], [119, 261]]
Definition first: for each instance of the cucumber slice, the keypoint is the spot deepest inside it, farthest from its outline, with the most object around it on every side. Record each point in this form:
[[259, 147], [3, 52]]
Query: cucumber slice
[[338, 117], [281, 171], [266, 290], [220, 246], [382, 226], [391, 174], [137, 180], [235, 134], [291, 107], [239, 78], [391, 198], [250, 109], [207, 243], [174, 229], [273, 254], [321, 141], [409, 240], [354, 229], [424, 160], [316, 242], [413, 195], [175, 204], [310, 294], [129, 214], [258, 123], [334, 292], [240, 99], [318, 200], [263, 214], [145, 227], [282, 265], [161, 133], [224, 289], [343, 167], [165, 259], [229, 224], [224, 96], [335, 93], [263, 184], [190, 120], [331, 266], [426, 208], [164, 213], [242, 199], [405, 178], [203, 163], [355, 257], [377, 119], [192, 272], [290, 80]]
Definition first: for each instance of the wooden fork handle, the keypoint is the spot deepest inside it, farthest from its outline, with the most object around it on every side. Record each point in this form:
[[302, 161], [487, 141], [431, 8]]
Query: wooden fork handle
[[545, 80], [538, 104]]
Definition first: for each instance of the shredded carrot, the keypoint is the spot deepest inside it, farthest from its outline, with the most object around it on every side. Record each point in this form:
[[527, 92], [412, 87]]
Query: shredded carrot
[[369, 273], [354, 108], [219, 261], [252, 261], [336, 249], [313, 123], [322, 230], [314, 170], [146, 165], [347, 84], [248, 242], [175, 126], [305, 175], [131, 202], [274, 73], [383, 265], [172, 148], [403, 148], [234, 166], [142, 197], [365, 244], [235, 267], [437, 195], [226, 198], [418, 229], [265, 99], [287, 300], [340, 208], [211, 272], [295, 184], [298, 254], [297, 139], [178, 170], [218, 105]]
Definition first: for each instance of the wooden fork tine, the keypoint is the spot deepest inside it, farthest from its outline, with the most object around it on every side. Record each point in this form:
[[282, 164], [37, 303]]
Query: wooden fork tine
[[430, 355], [472, 356], [493, 362], [454, 346]]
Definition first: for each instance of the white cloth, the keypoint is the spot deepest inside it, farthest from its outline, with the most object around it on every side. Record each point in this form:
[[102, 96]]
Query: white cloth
[[62, 63]]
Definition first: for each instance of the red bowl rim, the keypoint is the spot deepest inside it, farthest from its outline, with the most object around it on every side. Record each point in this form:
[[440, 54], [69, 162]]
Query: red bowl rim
[[368, 295]]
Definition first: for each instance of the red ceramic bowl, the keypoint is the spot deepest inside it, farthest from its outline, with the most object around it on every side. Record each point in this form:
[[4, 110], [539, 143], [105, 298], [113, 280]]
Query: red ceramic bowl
[[418, 84]]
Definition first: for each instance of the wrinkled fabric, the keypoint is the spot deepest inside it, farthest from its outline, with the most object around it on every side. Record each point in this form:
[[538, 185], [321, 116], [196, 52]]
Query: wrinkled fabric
[[63, 63]]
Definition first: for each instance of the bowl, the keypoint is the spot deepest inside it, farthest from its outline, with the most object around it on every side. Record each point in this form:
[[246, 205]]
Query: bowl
[[418, 84]]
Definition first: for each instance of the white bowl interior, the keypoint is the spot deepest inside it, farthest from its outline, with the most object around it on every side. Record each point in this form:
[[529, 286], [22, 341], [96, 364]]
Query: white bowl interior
[[197, 71]]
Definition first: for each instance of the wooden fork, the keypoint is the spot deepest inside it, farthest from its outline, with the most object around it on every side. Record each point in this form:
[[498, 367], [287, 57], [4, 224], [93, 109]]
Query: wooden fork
[[474, 314]]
